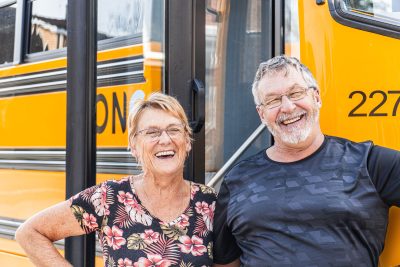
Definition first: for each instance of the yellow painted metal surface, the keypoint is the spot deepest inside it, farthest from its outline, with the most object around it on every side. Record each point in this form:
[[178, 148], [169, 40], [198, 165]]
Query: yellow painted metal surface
[[25, 192], [350, 65], [15, 256], [39, 120]]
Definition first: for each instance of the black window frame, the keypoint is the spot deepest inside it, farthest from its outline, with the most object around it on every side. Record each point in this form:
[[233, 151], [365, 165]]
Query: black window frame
[[3, 4], [361, 21]]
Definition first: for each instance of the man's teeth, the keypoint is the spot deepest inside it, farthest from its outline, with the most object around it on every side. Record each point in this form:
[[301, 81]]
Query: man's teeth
[[165, 153], [286, 122]]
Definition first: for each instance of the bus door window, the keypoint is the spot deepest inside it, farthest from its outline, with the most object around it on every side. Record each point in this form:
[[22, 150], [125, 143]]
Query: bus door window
[[122, 18], [238, 39], [48, 25], [7, 32]]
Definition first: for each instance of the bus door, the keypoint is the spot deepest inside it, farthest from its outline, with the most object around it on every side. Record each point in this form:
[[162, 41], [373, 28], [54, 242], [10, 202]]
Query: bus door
[[353, 49], [239, 36]]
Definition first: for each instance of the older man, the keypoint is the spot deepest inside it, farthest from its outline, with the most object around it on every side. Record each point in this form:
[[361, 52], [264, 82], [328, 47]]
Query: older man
[[309, 199]]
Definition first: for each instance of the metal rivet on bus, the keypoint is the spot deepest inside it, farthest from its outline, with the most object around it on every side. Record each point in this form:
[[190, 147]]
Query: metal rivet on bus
[[320, 2]]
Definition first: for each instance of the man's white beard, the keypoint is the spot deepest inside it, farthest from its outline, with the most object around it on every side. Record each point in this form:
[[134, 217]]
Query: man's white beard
[[296, 135]]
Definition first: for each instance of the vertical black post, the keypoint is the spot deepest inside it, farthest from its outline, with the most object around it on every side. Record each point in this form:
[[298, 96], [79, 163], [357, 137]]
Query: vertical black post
[[81, 115], [184, 62], [199, 72], [278, 27]]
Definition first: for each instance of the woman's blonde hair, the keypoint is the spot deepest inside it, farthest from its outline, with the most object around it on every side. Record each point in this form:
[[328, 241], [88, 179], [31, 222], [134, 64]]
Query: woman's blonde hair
[[156, 101]]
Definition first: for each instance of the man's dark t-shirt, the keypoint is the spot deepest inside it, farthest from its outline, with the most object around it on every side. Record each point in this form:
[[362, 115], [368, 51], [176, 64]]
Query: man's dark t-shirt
[[329, 209]]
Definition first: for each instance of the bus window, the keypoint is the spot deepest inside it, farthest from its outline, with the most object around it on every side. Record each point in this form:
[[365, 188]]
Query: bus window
[[122, 18], [386, 11], [7, 32], [291, 33], [48, 25]]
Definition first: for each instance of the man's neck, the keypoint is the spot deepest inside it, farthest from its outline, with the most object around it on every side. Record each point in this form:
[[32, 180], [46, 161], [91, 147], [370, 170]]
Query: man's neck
[[282, 152]]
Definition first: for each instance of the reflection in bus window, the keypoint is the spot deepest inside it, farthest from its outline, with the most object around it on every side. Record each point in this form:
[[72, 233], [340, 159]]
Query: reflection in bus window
[[292, 36], [48, 25], [387, 11], [7, 32], [121, 18]]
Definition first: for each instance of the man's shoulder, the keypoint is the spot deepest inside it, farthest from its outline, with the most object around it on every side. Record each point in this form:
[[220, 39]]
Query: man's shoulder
[[344, 141], [247, 164]]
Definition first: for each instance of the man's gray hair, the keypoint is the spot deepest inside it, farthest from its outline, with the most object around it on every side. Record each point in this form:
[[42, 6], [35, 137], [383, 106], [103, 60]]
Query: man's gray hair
[[280, 64]]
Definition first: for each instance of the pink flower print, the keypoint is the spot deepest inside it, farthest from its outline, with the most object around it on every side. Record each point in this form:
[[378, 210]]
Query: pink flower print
[[124, 262], [114, 237], [192, 245], [149, 236], [202, 207], [125, 198], [90, 221], [136, 206], [103, 201], [208, 217], [152, 260], [193, 191], [183, 222]]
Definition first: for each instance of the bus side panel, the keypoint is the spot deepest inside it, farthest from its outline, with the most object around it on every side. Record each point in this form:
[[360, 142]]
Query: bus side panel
[[359, 77]]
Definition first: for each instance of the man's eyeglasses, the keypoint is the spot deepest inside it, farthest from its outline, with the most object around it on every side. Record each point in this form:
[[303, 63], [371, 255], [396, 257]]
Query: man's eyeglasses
[[294, 94], [154, 134]]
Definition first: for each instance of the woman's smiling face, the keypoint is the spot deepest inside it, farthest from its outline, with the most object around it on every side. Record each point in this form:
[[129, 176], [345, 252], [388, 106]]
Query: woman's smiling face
[[164, 154]]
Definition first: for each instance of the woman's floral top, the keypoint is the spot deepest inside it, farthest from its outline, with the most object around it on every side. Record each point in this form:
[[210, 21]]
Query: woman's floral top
[[130, 236]]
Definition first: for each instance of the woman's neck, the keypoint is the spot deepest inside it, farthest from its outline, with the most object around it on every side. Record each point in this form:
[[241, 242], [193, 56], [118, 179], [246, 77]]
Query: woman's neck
[[162, 185]]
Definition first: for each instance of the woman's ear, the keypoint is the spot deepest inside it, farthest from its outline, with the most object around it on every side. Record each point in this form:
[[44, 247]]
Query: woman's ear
[[188, 145], [133, 151]]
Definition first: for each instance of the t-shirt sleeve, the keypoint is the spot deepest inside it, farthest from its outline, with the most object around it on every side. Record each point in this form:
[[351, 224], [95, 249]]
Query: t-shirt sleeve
[[225, 248], [89, 207], [384, 169]]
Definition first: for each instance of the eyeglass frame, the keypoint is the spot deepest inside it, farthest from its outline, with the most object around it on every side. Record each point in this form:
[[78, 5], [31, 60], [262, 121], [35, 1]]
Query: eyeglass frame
[[287, 93], [157, 138]]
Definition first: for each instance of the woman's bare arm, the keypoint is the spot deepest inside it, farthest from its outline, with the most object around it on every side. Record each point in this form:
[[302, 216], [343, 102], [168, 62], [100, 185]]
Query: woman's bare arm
[[235, 263], [37, 234]]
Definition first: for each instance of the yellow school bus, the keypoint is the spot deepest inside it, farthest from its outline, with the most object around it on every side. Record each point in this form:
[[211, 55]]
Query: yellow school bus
[[351, 46]]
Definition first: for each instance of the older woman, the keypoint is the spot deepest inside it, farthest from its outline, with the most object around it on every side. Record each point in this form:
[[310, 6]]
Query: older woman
[[152, 219]]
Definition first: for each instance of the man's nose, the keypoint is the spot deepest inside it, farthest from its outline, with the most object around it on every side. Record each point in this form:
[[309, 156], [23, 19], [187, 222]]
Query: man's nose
[[287, 104]]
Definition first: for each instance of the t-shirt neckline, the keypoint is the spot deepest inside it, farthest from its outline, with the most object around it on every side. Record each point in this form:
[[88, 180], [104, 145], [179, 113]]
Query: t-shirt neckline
[[321, 147]]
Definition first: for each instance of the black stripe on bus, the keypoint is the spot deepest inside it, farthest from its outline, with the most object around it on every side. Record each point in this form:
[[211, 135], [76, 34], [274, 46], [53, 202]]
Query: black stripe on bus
[[118, 161], [60, 69]]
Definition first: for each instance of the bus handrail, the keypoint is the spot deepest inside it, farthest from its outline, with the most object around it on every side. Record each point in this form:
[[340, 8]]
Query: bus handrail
[[220, 174]]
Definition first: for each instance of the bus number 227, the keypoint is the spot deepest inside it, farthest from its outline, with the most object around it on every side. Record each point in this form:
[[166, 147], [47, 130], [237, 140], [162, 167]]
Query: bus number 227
[[374, 112]]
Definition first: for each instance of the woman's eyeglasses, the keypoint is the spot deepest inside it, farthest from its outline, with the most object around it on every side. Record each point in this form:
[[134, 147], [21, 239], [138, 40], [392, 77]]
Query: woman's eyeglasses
[[154, 134]]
